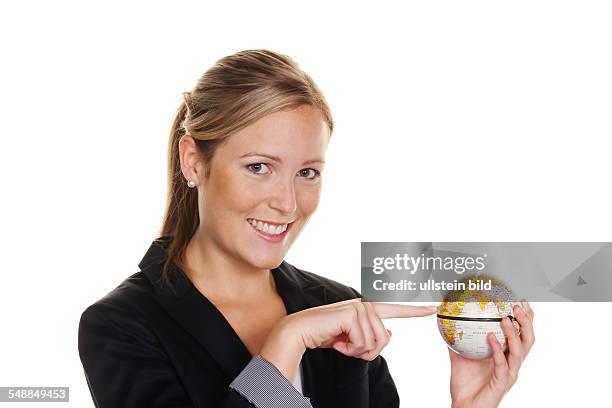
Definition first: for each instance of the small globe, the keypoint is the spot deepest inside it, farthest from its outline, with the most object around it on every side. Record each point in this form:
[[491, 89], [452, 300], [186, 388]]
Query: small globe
[[466, 316]]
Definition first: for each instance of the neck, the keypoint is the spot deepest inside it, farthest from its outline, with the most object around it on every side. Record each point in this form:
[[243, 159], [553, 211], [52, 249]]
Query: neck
[[222, 277]]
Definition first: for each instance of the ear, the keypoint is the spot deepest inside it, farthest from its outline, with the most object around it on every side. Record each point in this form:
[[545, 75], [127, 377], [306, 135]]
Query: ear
[[191, 160]]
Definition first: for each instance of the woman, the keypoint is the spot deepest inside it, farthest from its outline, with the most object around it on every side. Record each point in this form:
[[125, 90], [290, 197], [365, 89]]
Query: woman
[[215, 317]]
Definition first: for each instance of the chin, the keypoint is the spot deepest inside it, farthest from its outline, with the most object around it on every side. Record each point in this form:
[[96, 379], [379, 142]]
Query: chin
[[266, 262]]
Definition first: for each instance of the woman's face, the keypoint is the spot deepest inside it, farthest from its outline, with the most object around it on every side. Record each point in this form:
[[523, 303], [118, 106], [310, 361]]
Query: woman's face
[[264, 184]]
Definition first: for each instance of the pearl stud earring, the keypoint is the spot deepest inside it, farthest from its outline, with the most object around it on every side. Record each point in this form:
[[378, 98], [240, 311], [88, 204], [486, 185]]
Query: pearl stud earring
[[190, 183]]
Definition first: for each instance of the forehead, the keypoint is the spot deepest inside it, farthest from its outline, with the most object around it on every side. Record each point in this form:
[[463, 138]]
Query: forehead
[[294, 132]]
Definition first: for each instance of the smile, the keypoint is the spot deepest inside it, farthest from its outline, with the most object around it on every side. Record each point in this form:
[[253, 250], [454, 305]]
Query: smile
[[268, 228]]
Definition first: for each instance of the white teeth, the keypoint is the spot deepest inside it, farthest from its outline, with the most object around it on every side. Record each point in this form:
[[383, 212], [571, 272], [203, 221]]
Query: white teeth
[[267, 228]]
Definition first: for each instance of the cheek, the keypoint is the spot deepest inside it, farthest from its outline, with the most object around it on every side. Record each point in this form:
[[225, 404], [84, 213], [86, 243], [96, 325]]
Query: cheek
[[233, 193], [308, 199]]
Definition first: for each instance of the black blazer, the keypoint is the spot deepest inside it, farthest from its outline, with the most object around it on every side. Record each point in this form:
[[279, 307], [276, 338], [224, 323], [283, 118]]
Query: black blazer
[[147, 345]]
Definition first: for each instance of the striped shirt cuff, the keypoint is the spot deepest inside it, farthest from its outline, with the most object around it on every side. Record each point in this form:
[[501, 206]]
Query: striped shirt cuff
[[264, 386]]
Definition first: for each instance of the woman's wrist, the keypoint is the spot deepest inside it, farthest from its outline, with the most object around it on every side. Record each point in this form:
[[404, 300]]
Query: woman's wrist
[[284, 348]]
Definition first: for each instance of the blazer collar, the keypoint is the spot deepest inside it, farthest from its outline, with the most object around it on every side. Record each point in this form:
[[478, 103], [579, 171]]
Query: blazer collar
[[198, 316]]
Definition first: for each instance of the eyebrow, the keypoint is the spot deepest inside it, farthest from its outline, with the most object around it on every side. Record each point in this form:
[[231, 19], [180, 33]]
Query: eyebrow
[[278, 159]]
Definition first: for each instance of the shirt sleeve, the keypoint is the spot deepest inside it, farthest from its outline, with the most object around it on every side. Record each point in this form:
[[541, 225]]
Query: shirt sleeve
[[266, 387]]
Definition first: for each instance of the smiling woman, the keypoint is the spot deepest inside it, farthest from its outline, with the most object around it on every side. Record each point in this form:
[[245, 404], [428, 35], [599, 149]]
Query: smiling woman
[[216, 317], [272, 109]]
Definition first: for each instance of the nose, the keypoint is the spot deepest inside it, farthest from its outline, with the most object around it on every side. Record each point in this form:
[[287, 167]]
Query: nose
[[283, 198]]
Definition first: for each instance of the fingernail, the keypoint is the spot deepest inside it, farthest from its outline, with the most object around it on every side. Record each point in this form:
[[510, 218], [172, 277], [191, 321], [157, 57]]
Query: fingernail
[[432, 308]]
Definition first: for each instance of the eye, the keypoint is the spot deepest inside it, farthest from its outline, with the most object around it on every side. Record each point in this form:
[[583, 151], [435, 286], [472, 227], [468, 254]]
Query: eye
[[258, 168], [309, 173]]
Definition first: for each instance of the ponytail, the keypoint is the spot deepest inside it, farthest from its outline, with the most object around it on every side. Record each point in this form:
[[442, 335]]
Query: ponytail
[[181, 217]]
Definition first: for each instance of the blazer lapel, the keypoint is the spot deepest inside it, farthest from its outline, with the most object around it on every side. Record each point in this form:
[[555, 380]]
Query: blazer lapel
[[198, 316], [298, 294]]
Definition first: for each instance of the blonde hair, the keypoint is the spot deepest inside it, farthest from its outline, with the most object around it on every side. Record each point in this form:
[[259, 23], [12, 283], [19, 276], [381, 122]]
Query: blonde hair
[[234, 93]]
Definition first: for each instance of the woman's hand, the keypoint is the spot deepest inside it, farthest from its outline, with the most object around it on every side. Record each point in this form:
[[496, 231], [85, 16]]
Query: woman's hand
[[483, 383], [352, 327]]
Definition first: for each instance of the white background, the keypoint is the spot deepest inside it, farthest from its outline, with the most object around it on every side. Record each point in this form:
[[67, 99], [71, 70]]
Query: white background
[[455, 121]]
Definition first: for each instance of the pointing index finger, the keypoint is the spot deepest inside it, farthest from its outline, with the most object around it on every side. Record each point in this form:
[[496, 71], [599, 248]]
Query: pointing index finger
[[395, 310]]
